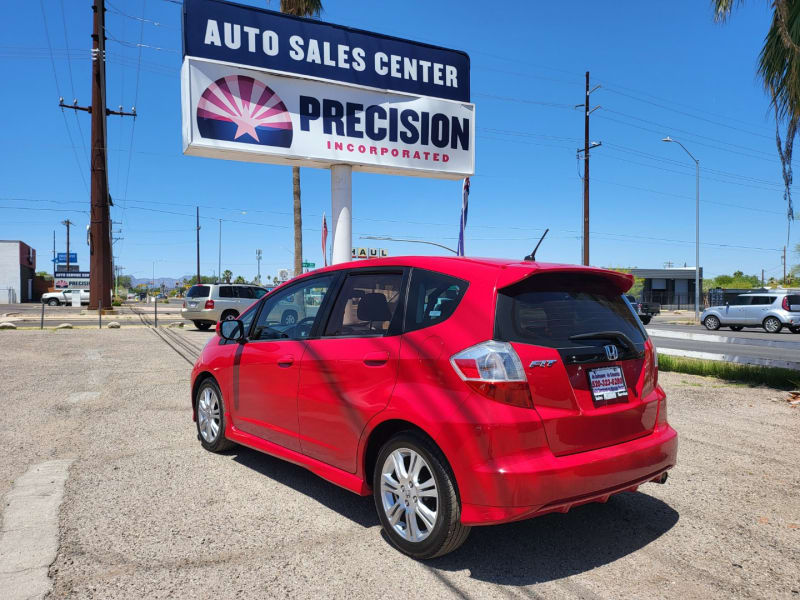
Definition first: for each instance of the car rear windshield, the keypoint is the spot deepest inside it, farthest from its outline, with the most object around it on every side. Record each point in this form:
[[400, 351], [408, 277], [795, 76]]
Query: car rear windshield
[[198, 291], [794, 302], [552, 309]]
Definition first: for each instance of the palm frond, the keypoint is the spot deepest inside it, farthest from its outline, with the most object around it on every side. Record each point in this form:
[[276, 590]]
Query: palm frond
[[722, 9], [302, 8]]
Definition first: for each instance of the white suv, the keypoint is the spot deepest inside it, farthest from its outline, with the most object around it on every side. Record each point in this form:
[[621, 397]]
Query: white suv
[[207, 303], [64, 297]]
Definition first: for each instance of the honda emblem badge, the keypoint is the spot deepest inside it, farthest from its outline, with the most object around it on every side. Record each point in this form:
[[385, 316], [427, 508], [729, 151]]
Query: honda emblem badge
[[611, 352]]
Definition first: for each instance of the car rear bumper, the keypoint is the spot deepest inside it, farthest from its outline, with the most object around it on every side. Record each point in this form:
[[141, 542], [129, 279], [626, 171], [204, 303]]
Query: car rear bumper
[[530, 485], [200, 314]]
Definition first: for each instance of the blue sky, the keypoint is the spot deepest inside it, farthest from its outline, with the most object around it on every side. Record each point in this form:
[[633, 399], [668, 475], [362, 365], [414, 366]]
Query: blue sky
[[665, 69]]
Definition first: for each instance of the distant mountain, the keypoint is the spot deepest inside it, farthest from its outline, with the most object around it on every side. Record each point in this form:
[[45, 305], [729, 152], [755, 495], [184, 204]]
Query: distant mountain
[[169, 282]]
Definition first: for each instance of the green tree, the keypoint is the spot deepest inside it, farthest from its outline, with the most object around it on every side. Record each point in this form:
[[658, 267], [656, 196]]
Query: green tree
[[299, 8], [124, 281], [779, 71], [226, 275], [44, 274], [240, 279]]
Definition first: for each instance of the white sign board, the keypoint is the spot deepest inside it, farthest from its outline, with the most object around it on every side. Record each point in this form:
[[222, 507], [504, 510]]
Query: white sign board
[[254, 115]]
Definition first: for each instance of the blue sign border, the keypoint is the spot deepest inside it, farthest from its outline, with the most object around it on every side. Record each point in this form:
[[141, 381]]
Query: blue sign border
[[197, 12]]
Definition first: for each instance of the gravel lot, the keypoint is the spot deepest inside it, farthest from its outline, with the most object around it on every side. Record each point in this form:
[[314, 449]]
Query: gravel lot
[[148, 514]]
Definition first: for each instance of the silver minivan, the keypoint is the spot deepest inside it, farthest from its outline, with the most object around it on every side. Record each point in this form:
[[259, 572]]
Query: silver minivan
[[207, 303], [771, 310]]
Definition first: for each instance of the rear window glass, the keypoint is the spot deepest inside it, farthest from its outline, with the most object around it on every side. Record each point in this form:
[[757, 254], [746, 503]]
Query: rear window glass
[[198, 291], [226, 291], [549, 309]]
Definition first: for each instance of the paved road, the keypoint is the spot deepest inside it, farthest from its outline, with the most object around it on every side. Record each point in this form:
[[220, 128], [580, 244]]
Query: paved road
[[749, 346], [147, 513]]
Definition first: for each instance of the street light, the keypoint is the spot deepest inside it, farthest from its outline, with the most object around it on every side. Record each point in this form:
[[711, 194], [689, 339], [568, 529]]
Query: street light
[[696, 230]]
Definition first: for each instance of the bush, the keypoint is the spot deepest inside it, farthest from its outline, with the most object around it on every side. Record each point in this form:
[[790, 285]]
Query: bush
[[774, 377]]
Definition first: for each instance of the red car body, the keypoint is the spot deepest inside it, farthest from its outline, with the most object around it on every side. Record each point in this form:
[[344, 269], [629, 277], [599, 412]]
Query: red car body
[[328, 404]]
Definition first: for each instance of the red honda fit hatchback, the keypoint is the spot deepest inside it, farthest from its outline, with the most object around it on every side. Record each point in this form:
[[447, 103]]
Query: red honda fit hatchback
[[456, 391]]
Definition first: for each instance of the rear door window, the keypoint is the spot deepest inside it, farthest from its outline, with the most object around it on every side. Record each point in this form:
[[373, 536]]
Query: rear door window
[[564, 311], [432, 298], [366, 306], [198, 291], [226, 291], [244, 292]]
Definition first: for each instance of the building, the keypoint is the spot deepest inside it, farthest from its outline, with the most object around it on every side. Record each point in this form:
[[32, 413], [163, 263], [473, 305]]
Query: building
[[672, 287], [17, 272]]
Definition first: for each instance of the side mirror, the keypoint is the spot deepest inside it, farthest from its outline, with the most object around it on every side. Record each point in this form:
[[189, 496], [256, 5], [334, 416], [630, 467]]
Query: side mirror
[[231, 330]]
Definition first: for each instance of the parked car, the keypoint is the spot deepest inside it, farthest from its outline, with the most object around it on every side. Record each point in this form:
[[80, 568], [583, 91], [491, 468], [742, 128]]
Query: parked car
[[456, 392], [64, 297], [208, 303], [645, 310], [771, 310]]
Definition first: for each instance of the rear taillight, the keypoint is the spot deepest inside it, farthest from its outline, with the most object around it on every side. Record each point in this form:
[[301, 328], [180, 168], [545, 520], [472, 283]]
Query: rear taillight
[[494, 370], [209, 304], [662, 412], [184, 304], [785, 303]]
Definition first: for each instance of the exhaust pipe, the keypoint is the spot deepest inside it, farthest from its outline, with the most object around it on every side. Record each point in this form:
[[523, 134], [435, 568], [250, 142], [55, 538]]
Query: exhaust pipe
[[662, 479]]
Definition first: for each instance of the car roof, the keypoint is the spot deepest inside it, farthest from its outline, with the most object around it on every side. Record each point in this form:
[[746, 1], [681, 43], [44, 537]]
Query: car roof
[[505, 271]]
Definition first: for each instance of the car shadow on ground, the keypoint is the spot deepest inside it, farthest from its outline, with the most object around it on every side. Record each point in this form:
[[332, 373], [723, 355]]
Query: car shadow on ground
[[527, 552]]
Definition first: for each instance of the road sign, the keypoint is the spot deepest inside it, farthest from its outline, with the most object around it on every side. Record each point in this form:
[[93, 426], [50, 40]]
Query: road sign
[[370, 253], [309, 265], [62, 257]]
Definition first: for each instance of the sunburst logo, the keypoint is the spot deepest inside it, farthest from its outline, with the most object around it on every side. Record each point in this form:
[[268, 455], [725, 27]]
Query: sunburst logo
[[238, 108]]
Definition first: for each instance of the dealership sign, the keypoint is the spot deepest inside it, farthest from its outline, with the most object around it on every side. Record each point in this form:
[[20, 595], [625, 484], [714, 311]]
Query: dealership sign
[[261, 86], [71, 279]]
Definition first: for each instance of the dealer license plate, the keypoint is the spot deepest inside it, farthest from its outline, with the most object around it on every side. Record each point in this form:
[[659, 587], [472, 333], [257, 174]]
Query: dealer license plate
[[192, 304], [608, 384]]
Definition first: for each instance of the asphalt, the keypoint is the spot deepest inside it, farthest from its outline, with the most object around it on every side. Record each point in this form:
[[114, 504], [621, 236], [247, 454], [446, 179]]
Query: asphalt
[[147, 513]]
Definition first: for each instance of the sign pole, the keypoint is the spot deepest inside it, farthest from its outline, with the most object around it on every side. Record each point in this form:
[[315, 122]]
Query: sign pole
[[342, 213]]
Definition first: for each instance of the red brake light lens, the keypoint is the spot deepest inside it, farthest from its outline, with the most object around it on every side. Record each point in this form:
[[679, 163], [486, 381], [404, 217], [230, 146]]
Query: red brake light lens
[[494, 370], [209, 304], [785, 303]]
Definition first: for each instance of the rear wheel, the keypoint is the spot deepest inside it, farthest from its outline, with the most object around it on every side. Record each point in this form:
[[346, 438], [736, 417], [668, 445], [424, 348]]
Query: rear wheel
[[229, 315], [794, 328], [711, 322], [772, 324], [416, 498], [736, 327], [289, 317], [52, 302], [202, 325], [645, 320], [211, 417]]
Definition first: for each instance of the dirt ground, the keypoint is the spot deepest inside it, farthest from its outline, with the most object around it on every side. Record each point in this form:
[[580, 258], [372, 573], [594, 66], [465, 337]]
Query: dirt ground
[[148, 513]]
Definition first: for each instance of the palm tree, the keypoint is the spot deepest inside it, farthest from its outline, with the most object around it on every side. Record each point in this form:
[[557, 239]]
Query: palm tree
[[299, 8], [779, 70], [226, 275]]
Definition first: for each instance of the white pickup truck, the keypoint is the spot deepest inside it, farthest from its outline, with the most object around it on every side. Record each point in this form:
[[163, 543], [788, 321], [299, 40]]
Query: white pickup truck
[[64, 297]]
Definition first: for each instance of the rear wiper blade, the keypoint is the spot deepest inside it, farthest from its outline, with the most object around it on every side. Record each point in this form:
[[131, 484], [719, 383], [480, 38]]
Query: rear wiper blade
[[607, 335]]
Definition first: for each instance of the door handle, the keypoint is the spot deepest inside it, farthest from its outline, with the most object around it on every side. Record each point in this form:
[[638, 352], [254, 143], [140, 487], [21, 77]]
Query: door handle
[[376, 359], [286, 361]]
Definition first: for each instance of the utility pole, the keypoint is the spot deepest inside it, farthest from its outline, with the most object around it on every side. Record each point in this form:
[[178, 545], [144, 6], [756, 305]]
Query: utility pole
[[69, 224], [100, 226], [587, 146], [258, 259], [219, 258], [54, 258], [783, 260], [198, 244], [762, 278]]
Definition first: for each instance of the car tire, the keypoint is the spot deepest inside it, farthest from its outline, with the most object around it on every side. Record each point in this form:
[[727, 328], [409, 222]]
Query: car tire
[[229, 315], [202, 325], [53, 302], [289, 317], [772, 325], [737, 327], [711, 323], [645, 320], [794, 328], [396, 498], [210, 417]]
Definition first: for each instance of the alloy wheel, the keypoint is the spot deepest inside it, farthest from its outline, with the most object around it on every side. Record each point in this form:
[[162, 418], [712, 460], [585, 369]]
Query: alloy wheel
[[712, 322], [208, 415], [772, 325], [409, 494]]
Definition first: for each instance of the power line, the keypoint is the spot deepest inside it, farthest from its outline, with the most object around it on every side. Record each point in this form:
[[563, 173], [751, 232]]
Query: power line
[[71, 83]]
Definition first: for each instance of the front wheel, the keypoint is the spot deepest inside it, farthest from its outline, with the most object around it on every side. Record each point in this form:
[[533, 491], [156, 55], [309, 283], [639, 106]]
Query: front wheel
[[772, 325], [202, 325], [711, 322], [210, 417], [52, 302], [794, 328], [645, 320], [416, 498]]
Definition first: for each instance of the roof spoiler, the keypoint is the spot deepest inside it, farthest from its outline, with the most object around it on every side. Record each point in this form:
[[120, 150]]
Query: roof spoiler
[[514, 273]]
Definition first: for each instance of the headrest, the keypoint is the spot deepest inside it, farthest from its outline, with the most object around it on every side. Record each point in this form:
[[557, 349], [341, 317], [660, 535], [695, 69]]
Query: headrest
[[373, 307]]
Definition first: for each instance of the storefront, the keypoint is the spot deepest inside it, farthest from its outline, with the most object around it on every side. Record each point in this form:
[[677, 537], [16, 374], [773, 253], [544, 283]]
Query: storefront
[[17, 272]]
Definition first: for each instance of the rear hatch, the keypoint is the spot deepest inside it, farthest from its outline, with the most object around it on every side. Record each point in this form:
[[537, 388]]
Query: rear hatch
[[587, 359], [196, 297]]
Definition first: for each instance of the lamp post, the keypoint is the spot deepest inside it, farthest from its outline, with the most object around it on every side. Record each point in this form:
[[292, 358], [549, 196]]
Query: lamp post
[[696, 230]]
